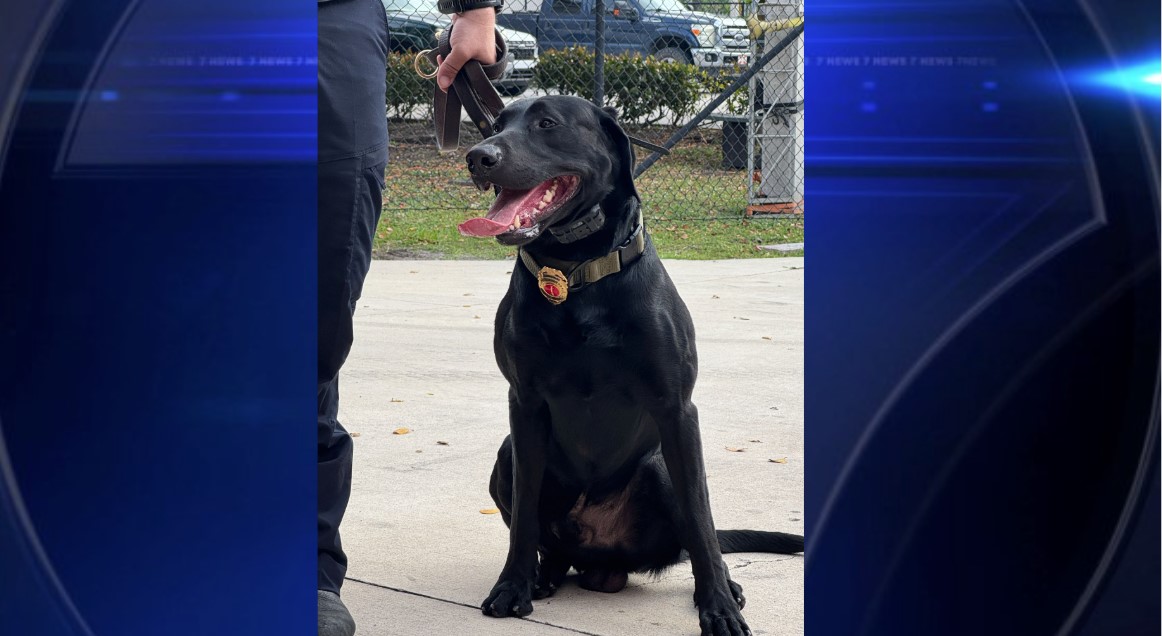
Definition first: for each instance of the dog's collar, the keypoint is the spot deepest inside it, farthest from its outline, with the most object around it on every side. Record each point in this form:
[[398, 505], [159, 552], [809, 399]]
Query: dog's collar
[[557, 278], [589, 223]]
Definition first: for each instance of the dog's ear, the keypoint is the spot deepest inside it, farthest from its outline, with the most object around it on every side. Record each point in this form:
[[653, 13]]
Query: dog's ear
[[625, 153]]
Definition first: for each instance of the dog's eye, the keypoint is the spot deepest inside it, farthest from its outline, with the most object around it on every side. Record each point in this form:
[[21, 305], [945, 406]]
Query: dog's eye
[[547, 123], [497, 127]]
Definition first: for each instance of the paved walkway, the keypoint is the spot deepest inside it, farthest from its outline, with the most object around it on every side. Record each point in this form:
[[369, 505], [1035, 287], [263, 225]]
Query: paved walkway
[[423, 556]]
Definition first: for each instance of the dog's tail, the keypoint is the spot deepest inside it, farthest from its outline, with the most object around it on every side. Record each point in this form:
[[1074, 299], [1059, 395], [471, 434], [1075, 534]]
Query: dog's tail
[[759, 541]]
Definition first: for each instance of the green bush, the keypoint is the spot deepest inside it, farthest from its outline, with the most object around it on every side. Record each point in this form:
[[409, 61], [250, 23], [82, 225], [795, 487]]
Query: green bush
[[405, 89], [642, 89], [735, 104], [568, 71]]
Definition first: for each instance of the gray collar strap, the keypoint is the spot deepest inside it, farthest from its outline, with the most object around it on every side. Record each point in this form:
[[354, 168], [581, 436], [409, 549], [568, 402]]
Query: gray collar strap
[[589, 223]]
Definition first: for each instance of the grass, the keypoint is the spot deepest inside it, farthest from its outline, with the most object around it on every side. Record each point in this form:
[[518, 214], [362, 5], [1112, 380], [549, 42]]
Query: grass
[[693, 209]]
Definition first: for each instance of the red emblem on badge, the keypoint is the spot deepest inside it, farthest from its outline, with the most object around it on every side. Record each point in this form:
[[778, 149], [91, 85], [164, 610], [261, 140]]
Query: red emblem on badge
[[553, 285]]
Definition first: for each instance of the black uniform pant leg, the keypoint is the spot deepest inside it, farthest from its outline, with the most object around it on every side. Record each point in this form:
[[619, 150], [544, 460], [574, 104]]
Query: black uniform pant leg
[[352, 127], [350, 199]]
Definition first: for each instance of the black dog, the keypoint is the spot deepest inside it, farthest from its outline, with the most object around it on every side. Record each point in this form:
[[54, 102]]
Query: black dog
[[603, 468]]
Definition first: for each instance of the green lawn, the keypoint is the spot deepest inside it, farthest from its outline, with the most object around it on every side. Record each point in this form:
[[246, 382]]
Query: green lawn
[[693, 209]]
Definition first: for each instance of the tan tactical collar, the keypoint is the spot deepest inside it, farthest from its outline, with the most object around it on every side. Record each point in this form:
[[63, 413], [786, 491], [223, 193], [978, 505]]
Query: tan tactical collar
[[557, 278]]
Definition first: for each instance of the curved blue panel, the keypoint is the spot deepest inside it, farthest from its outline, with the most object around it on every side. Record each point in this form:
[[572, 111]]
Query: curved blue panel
[[157, 326], [983, 437], [192, 82]]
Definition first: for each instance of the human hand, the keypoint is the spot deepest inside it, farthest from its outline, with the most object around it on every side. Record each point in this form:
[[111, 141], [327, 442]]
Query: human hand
[[473, 39]]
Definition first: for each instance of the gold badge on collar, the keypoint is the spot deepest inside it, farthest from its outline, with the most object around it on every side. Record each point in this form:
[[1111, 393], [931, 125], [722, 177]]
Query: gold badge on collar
[[553, 284]]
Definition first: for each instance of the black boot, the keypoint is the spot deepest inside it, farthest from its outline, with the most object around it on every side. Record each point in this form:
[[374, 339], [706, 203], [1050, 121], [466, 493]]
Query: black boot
[[334, 619]]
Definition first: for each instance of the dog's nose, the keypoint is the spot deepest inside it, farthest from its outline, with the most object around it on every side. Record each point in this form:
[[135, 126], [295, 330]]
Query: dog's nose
[[483, 158]]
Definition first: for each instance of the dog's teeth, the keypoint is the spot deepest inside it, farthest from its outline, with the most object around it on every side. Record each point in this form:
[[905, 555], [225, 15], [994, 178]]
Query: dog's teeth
[[548, 197]]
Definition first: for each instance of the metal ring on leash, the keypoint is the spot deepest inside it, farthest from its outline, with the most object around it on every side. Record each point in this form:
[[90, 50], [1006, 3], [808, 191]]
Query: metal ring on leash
[[416, 64]]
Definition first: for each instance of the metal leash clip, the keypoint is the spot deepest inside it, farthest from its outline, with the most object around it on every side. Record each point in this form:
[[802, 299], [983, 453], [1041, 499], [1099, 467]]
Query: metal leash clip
[[426, 54]]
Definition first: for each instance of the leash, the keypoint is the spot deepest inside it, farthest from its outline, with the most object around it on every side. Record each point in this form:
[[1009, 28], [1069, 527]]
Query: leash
[[473, 91]]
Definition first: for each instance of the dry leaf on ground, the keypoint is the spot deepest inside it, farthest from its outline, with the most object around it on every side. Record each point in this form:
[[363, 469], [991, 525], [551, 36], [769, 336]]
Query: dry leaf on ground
[[781, 460], [401, 431], [735, 449], [441, 442], [489, 511], [354, 434]]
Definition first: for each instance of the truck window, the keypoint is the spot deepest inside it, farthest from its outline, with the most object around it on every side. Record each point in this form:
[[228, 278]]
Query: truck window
[[568, 7], [663, 6]]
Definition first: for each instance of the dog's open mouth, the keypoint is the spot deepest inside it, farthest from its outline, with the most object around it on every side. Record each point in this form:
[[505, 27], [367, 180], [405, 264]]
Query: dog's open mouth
[[520, 212]]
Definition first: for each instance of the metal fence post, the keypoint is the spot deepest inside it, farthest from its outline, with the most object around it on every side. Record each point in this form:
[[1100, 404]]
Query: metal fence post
[[788, 39], [599, 54], [777, 128]]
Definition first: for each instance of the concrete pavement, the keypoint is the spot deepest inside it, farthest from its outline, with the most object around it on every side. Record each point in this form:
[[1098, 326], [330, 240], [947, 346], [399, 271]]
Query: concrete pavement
[[422, 556]]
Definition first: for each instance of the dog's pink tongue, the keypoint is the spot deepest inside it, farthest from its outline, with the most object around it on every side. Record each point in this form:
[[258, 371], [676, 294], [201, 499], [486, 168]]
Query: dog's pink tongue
[[482, 227], [495, 222]]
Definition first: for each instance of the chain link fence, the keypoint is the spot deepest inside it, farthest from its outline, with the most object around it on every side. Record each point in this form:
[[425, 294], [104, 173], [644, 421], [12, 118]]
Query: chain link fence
[[660, 63]]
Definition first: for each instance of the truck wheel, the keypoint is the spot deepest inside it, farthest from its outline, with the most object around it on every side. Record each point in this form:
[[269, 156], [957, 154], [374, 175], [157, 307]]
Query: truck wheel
[[673, 55]]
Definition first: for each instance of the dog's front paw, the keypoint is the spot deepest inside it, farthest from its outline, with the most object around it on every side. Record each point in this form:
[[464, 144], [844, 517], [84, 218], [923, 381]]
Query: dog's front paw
[[509, 598], [550, 574], [544, 589], [721, 616], [735, 591]]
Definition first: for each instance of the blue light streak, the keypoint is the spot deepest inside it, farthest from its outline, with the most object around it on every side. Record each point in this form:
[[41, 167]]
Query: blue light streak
[[1141, 80]]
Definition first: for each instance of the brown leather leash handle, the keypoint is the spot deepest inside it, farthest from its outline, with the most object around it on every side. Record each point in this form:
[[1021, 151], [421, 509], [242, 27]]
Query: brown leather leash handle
[[471, 90]]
